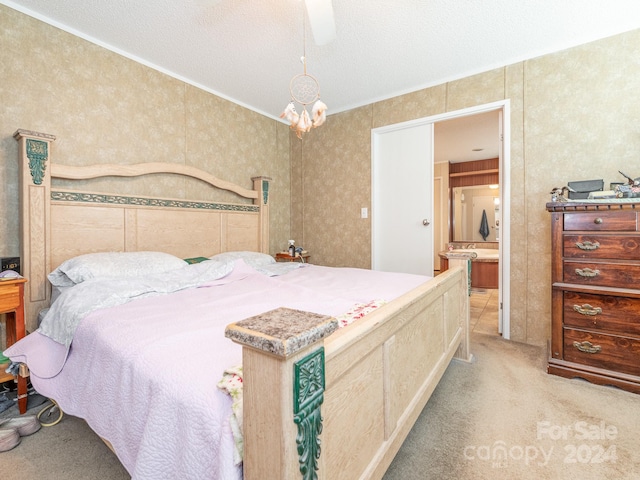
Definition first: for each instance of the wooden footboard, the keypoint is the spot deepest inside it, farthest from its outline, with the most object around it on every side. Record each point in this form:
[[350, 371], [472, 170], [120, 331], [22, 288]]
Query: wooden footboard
[[377, 376]]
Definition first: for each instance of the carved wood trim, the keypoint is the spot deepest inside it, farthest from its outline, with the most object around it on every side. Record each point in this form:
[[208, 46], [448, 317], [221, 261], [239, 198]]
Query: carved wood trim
[[109, 170]]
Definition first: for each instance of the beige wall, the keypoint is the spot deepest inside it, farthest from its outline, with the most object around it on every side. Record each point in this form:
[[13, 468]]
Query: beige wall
[[574, 115], [105, 108]]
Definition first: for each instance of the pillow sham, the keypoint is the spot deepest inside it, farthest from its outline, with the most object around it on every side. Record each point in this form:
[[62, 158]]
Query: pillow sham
[[253, 259], [113, 264]]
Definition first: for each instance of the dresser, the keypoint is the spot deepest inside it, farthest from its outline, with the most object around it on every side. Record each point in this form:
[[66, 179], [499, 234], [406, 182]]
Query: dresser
[[595, 324]]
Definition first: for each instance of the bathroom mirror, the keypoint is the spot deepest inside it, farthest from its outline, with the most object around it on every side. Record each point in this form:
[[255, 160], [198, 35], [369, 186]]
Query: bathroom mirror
[[469, 207]]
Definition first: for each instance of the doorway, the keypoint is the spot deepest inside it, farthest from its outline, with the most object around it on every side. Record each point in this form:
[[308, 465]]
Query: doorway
[[503, 110]]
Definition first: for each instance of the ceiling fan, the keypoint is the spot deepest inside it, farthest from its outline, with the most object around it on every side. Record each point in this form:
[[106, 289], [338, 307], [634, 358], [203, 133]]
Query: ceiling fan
[[321, 20], [320, 14]]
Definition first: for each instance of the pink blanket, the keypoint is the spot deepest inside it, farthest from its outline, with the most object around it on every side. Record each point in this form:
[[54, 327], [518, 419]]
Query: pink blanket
[[144, 374]]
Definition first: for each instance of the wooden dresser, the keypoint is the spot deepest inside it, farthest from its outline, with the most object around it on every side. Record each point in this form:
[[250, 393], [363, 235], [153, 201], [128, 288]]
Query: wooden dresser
[[595, 326]]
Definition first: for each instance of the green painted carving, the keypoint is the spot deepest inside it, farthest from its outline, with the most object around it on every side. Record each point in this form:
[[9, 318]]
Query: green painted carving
[[150, 202], [265, 191], [308, 395], [37, 153]]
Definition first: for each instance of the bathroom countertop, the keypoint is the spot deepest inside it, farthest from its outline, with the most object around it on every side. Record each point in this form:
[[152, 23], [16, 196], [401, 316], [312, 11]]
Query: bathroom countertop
[[457, 251]]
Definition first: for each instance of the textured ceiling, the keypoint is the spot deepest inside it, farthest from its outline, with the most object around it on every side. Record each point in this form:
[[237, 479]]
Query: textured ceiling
[[248, 50]]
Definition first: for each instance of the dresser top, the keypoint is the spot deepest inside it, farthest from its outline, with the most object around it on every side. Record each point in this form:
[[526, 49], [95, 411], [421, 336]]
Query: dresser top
[[613, 204]]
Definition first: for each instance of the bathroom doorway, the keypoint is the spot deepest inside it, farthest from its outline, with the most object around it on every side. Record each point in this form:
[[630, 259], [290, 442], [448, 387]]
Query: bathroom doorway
[[474, 135], [501, 108], [484, 309]]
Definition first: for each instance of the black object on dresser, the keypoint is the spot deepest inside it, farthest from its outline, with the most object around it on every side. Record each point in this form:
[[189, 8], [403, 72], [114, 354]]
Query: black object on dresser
[[595, 325]]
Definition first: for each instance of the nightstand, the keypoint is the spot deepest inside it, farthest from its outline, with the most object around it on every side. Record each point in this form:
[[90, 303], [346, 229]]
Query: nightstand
[[285, 257], [12, 305]]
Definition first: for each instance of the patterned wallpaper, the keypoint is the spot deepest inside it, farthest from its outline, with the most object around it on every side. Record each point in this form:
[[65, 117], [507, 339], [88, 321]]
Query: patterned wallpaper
[[105, 108], [575, 115]]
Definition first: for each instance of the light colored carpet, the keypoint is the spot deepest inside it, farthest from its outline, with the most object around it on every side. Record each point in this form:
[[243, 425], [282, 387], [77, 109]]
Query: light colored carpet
[[546, 427], [68, 450], [504, 417]]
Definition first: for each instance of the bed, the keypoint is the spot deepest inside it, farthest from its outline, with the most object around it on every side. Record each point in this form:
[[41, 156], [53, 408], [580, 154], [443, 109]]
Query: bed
[[319, 401]]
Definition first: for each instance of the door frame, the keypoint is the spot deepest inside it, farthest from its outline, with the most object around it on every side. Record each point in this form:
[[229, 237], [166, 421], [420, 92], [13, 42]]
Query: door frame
[[441, 239], [504, 107]]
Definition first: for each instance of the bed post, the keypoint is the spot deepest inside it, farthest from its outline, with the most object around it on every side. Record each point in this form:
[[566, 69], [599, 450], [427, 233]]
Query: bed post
[[463, 260], [35, 234], [283, 390], [261, 185]]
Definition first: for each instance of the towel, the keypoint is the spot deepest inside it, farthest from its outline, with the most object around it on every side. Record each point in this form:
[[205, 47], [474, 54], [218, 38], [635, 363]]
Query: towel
[[484, 226]]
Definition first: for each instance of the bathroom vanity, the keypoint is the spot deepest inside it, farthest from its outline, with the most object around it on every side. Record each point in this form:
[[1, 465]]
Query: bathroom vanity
[[484, 265], [595, 326]]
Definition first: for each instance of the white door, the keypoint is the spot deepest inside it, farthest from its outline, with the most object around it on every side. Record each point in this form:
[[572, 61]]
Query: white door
[[402, 199]]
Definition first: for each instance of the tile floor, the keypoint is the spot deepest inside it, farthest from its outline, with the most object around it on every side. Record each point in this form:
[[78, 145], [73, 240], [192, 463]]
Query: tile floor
[[484, 311]]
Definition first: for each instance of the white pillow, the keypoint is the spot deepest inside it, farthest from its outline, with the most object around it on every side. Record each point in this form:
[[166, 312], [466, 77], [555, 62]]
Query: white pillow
[[113, 264], [56, 291], [253, 259]]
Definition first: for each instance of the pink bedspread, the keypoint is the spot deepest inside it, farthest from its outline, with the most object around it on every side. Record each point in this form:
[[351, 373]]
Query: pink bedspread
[[144, 374]]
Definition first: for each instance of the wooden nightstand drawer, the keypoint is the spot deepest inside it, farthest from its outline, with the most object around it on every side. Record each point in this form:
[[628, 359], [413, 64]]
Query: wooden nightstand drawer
[[9, 297], [617, 275], [602, 246], [623, 221], [612, 352], [12, 305], [602, 313]]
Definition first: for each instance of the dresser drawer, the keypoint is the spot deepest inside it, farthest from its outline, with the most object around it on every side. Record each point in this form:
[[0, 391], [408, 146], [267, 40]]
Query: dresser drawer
[[9, 298], [602, 246], [617, 275], [618, 315], [609, 352], [622, 221]]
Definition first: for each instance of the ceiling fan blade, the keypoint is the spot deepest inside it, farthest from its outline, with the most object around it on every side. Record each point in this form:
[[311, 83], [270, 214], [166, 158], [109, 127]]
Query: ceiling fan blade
[[323, 25]]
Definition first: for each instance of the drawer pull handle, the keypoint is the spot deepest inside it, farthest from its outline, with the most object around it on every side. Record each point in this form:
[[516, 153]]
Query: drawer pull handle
[[587, 347], [598, 221], [587, 272], [587, 245], [587, 309]]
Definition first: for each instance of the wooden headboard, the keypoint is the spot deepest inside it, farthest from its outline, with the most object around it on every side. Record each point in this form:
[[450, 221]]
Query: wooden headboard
[[60, 223]]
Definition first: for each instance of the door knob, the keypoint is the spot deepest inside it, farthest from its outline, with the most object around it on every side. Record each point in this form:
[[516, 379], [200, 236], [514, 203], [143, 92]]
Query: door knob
[[425, 222]]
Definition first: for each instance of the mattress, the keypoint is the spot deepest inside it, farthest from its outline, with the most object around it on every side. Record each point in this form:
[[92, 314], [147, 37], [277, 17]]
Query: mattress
[[144, 373]]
